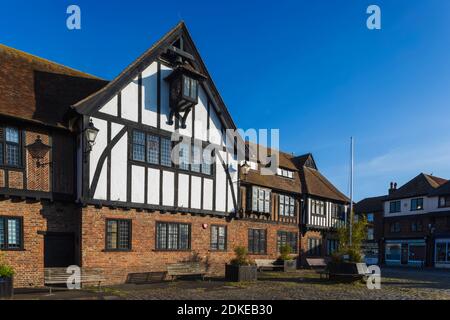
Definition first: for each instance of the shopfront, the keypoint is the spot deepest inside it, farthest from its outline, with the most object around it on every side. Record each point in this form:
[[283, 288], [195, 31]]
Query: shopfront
[[442, 253], [411, 252]]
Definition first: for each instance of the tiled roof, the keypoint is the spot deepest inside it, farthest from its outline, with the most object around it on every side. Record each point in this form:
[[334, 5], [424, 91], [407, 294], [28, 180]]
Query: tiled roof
[[314, 183], [39, 90], [442, 190], [273, 181], [370, 205], [421, 185]]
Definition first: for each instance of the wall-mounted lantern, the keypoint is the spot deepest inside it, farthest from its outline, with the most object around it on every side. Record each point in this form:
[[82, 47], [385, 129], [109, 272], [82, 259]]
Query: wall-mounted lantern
[[38, 150], [184, 82], [90, 134], [245, 168]]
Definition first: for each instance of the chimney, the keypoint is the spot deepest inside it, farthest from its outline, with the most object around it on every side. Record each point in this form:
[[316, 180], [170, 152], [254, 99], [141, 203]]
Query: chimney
[[392, 188]]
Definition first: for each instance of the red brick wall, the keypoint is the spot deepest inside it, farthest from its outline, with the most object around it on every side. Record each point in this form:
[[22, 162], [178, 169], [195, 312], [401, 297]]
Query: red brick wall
[[38, 178], [37, 217], [144, 258], [323, 235]]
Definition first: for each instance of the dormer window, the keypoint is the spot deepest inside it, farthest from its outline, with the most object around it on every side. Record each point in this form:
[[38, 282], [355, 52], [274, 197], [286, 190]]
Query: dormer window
[[285, 173], [184, 82]]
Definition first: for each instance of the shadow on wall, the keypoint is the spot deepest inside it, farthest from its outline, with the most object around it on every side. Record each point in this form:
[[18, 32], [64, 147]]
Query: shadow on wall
[[55, 93]]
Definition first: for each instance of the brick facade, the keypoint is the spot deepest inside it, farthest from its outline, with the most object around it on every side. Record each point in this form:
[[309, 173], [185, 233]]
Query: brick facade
[[323, 236], [38, 218], [143, 256]]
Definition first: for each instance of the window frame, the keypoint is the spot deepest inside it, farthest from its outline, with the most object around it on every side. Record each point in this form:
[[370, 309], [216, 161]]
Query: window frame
[[178, 224], [393, 227], [416, 226], [19, 145], [285, 173], [335, 246], [251, 250], [289, 241], [446, 201], [289, 205], [190, 81], [417, 207], [21, 236], [130, 235], [315, 203], [395, 210], [317, 249], [252, 200], [218, 227]]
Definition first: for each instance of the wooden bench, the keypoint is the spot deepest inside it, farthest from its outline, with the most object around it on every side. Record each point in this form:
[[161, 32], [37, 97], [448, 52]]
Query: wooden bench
[[262, 264], [60, 276], [175, 270], [362, 273], [319, 265], [146, 277]]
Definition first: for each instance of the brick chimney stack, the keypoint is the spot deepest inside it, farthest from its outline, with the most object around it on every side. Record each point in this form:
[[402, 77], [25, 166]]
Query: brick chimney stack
[[393, 187]]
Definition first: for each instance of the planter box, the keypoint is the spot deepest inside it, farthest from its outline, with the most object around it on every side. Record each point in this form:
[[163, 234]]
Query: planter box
[[348, 271], [241, 273], [6, 288], [290, 265]]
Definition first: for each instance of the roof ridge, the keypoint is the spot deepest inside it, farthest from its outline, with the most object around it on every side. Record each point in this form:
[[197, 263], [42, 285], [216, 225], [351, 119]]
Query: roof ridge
[[133, 64], [22, 53]]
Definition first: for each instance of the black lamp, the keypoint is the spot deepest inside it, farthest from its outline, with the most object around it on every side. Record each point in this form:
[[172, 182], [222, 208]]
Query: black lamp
[[90, 134], [38, 150]]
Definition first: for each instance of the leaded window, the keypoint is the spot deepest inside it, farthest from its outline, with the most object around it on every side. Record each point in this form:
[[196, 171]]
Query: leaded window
[[184, 156], [10, 147], [218, 238], [196, 158], [287, 206], [166, 152], [173, 236], [138, 146], [10, 233], [260, 200], [118, 234], [287, 238], [152, 149], [332, 246], [257, 239]]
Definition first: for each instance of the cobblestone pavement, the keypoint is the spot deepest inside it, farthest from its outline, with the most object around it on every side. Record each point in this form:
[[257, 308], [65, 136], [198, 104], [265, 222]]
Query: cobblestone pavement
[[397, 284]]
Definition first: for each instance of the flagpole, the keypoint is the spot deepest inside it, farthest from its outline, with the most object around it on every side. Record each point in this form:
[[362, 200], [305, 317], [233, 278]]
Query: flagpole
[[351, 188]]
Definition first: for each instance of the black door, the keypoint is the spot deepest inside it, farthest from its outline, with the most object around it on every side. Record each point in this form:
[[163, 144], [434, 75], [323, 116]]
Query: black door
[[405, 253], [59, 250]]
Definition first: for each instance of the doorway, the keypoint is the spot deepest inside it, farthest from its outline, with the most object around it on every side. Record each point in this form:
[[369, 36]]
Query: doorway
[[59, 250], [405, 253]]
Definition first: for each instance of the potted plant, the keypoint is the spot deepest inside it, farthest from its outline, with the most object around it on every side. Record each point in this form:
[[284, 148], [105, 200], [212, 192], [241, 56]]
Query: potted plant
[[6, 280], [345, 264], [241, 268], [286, 259]]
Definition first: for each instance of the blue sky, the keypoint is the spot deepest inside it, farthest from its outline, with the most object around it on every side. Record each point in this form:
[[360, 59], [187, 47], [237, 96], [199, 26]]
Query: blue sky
[[310, 68]]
